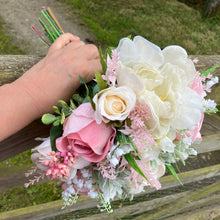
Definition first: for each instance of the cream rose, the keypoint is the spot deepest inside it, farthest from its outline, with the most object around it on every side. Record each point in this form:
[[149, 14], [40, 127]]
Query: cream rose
[[114, 104], [161, 79]]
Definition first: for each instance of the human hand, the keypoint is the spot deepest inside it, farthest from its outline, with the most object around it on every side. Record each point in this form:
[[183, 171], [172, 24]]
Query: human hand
[[56, 76]]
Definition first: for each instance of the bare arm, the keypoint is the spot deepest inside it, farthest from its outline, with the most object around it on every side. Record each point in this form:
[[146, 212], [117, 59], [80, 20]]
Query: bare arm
[[55, 77]]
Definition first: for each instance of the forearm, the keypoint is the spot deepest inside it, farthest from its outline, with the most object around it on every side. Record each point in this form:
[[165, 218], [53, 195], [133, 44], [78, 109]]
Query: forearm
[[17, 110]]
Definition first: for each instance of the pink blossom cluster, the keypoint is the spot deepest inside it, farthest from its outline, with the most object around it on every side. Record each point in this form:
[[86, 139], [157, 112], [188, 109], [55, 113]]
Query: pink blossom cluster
[[138, 131], [136, 178], [59, 164], [112, 67], [107, 170]]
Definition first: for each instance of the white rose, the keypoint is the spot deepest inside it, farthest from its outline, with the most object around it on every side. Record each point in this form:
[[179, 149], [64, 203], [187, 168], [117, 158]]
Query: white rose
[[161, 79], [114, 104]]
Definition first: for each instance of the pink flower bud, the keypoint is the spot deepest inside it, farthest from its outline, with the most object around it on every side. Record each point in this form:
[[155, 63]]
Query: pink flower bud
[[48, 172], [46, 163]]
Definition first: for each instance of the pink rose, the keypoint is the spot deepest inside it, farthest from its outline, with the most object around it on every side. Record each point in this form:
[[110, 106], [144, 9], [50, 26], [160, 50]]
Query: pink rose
[[84, 137]]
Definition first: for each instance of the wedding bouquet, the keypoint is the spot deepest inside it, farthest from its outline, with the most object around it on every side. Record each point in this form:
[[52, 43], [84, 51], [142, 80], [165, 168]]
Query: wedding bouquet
[[124, 129]]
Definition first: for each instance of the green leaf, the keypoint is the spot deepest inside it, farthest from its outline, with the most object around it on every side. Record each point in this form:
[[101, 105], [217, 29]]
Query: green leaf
[[175, 164], [77, 98], [100, 81], [92, 103], [116, 124], [102, 60], [96, 89], [65, 108], [72, 105], [131, 161], [56, 110], [173, 172], [108, 51], [124, 140], [62, 104], [63, 117], [55, 132], [209, 71], [56, 123], [48, 118], [83, 82]]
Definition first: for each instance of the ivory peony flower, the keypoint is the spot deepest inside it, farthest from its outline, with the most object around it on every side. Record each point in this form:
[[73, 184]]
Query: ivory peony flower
[[83, 137], [114, 104], [160, 79]]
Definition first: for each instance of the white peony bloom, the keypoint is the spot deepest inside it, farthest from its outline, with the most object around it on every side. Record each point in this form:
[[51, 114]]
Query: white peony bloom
[[161, 79], [114, 104]]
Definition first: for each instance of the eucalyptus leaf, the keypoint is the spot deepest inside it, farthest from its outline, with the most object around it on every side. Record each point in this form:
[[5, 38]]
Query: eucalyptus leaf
[[48, 118], [77, 98], [63, 104], [56, 123], [56, 110]]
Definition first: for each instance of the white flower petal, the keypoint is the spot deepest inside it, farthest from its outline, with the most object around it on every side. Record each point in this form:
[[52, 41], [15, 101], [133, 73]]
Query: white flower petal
[[148, 52], [178, 56], [127, 50]]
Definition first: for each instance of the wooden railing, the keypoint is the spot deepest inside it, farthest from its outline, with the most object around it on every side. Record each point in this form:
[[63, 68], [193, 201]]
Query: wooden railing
[[198, 198]]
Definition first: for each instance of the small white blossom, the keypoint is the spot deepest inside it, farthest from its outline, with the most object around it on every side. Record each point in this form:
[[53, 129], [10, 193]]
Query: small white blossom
[[71, 190], [88, 184], [92, 194], [166, 144], [187, 141], [209, 104], [114, 161], [86, 173]]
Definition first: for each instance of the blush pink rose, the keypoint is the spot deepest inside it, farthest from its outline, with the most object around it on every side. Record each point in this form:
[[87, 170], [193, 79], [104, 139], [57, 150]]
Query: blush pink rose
[[84, 137]]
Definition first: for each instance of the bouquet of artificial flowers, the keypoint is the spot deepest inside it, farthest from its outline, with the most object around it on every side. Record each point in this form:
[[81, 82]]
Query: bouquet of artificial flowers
[[124, 129]]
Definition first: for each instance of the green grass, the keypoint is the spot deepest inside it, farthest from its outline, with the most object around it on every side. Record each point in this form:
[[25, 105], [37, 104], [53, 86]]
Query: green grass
[[37, 194], [20, 196], [162, 22], [6, 45], [19, 160]]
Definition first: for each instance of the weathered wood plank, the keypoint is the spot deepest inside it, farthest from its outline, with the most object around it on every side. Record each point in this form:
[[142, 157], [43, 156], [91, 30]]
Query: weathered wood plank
[[188, 201], [206, 213], [52, 209], [13, 66], [23, 140]]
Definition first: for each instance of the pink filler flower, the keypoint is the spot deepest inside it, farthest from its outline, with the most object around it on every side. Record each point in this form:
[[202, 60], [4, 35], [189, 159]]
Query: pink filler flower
[[83, 137]]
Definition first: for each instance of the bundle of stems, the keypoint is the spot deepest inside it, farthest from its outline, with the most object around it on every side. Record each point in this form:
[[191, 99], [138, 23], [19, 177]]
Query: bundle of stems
[[51, 31]]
